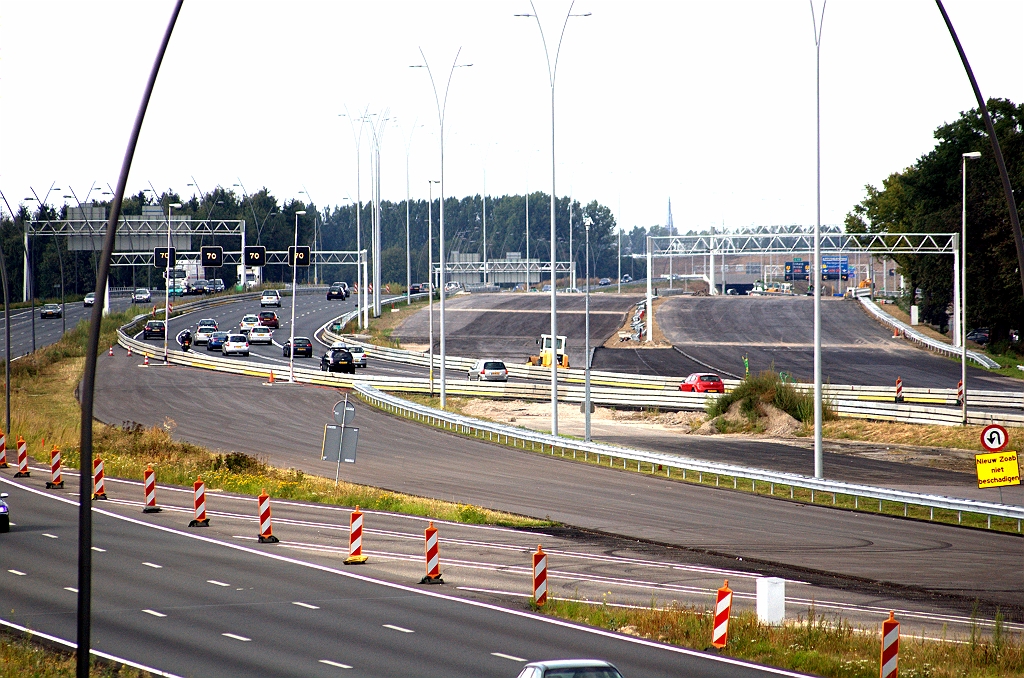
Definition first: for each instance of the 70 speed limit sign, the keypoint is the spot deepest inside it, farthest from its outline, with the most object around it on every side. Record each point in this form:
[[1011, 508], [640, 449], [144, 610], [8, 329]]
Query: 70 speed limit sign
[[994, 437]]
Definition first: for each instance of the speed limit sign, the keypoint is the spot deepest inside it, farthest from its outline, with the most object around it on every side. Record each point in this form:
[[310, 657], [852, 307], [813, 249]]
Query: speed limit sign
[[994, 437]]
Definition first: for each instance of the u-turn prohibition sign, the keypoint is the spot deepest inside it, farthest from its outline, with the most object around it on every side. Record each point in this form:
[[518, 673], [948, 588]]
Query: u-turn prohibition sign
[[994, 437]]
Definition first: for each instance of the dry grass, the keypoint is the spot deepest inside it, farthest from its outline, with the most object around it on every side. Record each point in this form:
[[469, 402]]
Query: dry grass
[[25, 659], [822, 646], [954, 437]]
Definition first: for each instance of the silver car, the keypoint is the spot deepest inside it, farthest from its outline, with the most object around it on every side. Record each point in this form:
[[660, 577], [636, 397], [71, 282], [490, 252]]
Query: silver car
[[570, 668], [142, 296], [261, 335], [488, 370], [358, 353]]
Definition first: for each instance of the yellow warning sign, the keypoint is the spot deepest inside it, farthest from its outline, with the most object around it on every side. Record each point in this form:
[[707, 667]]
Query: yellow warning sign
[[997, 469]]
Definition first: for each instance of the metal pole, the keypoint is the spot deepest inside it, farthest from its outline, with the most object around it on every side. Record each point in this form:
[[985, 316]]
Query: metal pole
[[430, 276], [341, 445], [818, 454], [650, 291], [618, 232], [408, 251], [291, 340], [167, 284], [483, 199], [954, 325], [973, 155], [7, 329], [586, 355], [554, 279], [711, 264]]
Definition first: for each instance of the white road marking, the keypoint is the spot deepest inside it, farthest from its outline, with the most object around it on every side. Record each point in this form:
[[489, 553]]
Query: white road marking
[[216, 583], [236, 637], [306, 605], [17, 572], [71, 588], [398, 628], [508, 656], [335, 664], [51, 536], [153, 565], [98, 549], [155, 613]]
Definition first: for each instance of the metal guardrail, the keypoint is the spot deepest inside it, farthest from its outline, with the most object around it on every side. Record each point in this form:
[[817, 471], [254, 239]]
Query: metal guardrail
[[513, 435], [367, 387], [915, 336]]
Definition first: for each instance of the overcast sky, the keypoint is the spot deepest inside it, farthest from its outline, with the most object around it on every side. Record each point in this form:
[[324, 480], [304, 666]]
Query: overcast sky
[[711, 104]]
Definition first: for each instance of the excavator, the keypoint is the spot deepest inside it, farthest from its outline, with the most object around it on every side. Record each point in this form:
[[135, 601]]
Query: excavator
[[544, 359]]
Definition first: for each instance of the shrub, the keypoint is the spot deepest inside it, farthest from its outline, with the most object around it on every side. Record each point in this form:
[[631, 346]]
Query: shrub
[[767, 388]]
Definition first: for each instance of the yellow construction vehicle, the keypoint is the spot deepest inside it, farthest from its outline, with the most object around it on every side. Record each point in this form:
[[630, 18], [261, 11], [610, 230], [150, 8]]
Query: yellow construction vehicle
[[544, 359]]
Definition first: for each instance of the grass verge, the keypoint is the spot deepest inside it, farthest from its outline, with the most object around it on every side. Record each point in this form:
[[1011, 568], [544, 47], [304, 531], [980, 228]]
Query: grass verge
[[21, 657], [767, 388], [818, 645]]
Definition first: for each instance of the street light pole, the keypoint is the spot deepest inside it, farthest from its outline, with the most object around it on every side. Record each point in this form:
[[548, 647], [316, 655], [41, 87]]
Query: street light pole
[[167, 279], [973, 155], [295, 268], [818, 453], [430, 276], [441, 107], [587, 221]]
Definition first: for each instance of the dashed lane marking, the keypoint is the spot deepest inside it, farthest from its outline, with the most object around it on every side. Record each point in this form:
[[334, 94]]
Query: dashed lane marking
[[236, 637], [17, 572], [153, 565], [502, 655], [216, 583], [51, 536], [397, 628], [306, 605], [337, 665], [71, 588], [98, 549], [155, 613]]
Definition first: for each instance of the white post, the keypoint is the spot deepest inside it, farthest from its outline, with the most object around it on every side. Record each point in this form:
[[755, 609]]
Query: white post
[[711, 263], [954, 322], [586, 350], [649, 312], [291, 341]]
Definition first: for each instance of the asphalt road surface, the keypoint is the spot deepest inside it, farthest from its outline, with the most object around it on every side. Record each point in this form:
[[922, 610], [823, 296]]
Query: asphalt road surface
[[285, 424], [507, 326], [47, 331], [777, 334], [189, 602]]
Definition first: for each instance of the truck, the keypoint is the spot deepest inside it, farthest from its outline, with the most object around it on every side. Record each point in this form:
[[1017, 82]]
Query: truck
[[544, 359]]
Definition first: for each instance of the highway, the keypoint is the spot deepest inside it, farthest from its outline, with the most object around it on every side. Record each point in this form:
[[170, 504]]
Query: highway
[[194, 602], [47, 331]]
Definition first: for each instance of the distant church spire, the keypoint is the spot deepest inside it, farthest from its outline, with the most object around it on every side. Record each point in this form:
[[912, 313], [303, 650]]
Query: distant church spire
[[668, 222]]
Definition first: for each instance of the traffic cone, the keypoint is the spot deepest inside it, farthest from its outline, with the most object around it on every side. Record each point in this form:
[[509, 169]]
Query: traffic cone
[[271, 377], [149, 485], [111, 351], [199, 494], [266, 526], [355, 539], [23, 471], [3, 450], [98, 492], [723, 607], [56, 481], [433, 575], [540, 576], [129, 351], [899, 390], [890, 660], [145, 360]]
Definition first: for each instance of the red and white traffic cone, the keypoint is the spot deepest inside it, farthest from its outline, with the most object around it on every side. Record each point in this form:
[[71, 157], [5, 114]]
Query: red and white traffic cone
[[890, 647], [540, 576], [433, 575], [895, 332], [355, 539], [199, 494], [149, 485], [56, 481], [129, 351], [145, 360], [98, 490], [960, 393], [899, 390], [266, 526], [23, 471], [3, 450], [723, 607], [111, 351]]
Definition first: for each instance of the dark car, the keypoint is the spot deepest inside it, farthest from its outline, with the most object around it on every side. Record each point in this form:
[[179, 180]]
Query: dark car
[[5, 518], [216, 285], [269, 319], [153, 328], [216, 342], [979, 336], [337, 360], [200, 287], [51, 311], [414, 288], [337, 291], [303, 348], [604, 282]]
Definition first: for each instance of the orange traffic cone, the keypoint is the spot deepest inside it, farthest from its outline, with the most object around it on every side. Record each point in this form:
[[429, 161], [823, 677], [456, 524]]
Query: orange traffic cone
[[271, 377], [145, 360]]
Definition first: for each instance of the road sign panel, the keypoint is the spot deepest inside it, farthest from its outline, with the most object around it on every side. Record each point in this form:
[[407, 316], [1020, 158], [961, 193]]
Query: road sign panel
[[339, 442], [212, 256], [835, 268], [997, 469], [256, 256], [994, 437], [161, 257], [298, 256]]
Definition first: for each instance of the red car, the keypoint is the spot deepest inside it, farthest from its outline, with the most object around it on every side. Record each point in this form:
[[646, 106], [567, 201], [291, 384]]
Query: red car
[[703, 382], [269, 319]]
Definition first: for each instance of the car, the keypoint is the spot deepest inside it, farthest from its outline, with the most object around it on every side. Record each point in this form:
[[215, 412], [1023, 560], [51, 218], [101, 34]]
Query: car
[[199, 287], [248, 321], [202, 334], [5, 514], [452, 286], [571, 290], [261, 335], [270, 298], [90, 299], [303, 347], [216, 285], [337, 291], [979, 336], [216, 341], [269, 319], [235, 344], [51, 311], [604, 282], [546, 288], [488, 370], [626, 278], [702, 382], [415, 288], [154, 328], [142, 296], [570, 668], [337, 360], [208, 322], [177, 291], [358, 352]]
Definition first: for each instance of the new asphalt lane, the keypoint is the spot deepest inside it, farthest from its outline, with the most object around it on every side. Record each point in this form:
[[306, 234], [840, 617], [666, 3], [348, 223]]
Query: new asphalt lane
[[188, 603], [47, 331]]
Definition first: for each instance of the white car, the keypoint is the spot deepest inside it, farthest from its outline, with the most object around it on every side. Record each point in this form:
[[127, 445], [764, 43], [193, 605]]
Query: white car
[[270, 298], [141, 296], [488, 370], [261, 335], [358, 353], [202, 335], [248, 322], [236, 344], [591, 668]]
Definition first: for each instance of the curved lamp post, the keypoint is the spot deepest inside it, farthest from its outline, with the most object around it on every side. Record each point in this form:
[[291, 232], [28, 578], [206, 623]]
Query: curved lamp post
[[291, 340]]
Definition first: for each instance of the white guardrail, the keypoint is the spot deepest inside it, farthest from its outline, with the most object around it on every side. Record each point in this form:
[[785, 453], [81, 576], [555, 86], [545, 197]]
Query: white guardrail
[[372, 390]]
